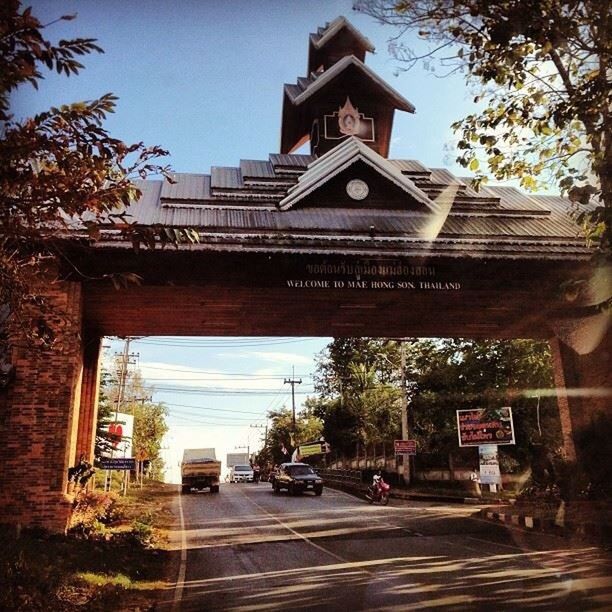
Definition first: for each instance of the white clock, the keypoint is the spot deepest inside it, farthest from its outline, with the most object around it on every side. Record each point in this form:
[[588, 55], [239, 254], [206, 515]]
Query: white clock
[[357, 189]]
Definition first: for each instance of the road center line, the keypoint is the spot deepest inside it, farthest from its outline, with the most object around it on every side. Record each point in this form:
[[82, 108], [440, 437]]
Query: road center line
[[180, 581], [303, 537]]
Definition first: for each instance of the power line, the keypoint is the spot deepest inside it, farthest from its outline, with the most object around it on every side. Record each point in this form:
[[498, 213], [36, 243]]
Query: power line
[[220, 391], [208, 408], [186, 370], [224, 343]]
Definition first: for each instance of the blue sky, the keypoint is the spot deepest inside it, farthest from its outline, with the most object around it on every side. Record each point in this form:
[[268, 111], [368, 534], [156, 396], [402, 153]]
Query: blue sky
[[204, 80]]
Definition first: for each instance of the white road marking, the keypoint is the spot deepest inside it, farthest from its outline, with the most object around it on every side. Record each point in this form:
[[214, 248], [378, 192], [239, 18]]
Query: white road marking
[[180, 581], [303, 537]]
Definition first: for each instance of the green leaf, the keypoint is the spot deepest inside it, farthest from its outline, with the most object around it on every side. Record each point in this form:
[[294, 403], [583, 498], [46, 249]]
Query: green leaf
[[474, 165]]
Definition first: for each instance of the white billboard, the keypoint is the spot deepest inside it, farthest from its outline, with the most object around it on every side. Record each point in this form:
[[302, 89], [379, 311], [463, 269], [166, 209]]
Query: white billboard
[[121, 431]]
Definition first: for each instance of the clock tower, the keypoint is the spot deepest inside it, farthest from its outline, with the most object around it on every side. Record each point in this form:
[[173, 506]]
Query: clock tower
[[341, 97]]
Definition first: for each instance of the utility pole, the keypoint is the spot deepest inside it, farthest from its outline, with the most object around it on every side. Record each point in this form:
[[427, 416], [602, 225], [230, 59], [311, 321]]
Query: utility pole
[[248, 447], [292, 381], [404, 415], [265, 433], [127, 359]]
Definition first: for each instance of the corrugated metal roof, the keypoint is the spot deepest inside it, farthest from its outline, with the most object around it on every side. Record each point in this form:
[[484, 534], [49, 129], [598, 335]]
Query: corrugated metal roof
[[520, 225], [343, 221], [187, 187], [513, 199], [410, 166], [251, 168], [287, 160], [223, 177], [441, 176], [325, 34], [338, 68], [341, 157]]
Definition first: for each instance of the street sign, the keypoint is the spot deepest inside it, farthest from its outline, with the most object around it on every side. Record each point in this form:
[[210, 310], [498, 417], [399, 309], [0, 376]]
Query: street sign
[[405, 447], [118, 463], [477, 427], [315, 448]]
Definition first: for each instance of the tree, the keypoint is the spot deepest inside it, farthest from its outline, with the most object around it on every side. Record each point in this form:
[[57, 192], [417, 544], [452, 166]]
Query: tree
[[61, 174], [364, 406], [308, 428], [541, 70], [149, 418], [448, 375], [359, 397]]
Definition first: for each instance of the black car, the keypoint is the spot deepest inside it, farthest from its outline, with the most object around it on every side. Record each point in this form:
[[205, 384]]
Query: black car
[[296, 478]]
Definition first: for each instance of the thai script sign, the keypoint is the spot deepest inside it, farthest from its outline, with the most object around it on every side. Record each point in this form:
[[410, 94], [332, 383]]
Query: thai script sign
[[316, 448], [118, 463], [372, 274], [404, 447], [476, 427]]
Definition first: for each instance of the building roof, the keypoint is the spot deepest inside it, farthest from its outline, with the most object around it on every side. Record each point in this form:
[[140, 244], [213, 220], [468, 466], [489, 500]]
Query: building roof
[[341, 157], [325, 34], [261, 206], [306, 87]]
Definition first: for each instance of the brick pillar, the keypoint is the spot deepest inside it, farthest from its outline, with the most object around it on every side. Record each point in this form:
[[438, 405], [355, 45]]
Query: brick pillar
[[39, 417], [584, 387], [88, 413]]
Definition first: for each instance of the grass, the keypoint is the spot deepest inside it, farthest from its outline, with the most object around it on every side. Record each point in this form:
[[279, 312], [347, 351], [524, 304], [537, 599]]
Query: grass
[[121, 566]]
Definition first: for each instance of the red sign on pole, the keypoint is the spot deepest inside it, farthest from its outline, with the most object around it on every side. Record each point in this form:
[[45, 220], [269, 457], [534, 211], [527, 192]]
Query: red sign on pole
[[405, 447]]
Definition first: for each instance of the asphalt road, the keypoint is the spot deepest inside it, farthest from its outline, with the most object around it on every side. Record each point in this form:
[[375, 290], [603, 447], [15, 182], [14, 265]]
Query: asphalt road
[[248, 549]]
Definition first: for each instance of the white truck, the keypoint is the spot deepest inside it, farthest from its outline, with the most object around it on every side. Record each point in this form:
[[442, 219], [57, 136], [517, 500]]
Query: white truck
[[200, 470]]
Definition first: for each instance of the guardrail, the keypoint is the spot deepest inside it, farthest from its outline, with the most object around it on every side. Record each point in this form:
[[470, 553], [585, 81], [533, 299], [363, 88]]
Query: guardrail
[[353, 477]]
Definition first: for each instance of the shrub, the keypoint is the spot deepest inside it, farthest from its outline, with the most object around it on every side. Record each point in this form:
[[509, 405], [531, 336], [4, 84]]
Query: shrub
[[92, 512]]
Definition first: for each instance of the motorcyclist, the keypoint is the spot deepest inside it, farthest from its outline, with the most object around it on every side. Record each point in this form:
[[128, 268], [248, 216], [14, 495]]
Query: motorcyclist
[[376, 480]]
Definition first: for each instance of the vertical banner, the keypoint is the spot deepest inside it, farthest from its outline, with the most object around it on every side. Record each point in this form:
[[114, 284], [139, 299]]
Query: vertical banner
[[489, 464]]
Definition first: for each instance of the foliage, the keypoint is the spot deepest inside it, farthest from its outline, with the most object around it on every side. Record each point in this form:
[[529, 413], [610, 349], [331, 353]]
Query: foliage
[[450, 375], [92, 512], [61, 173], [104, 439], [115, 569], [358, 399], [542, 83], [588, 478], [149, 418], [358, 402], [307, 428]]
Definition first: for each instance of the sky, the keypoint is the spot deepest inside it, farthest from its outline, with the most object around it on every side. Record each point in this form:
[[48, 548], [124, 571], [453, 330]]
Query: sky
[[204, 80]]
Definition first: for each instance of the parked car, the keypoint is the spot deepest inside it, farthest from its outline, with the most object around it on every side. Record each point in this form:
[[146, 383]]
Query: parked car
[[241, 473], [297, 478]]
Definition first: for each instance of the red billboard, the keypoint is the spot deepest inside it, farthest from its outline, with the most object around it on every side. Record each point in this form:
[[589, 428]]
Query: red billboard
[[476, 427], [405, 447]]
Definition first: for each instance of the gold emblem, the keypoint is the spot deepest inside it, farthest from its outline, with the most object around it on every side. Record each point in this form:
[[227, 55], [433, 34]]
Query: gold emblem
[[348, 119]]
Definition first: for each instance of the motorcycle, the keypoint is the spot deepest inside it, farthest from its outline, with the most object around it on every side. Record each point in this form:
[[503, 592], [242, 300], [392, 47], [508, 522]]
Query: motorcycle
[[378, 493]]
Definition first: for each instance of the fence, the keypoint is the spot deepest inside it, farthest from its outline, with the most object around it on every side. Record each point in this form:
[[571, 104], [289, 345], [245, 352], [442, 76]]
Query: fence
[[347, 477]]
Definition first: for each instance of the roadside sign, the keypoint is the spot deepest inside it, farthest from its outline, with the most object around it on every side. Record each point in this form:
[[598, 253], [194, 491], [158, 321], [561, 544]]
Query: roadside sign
[[489, 464], [405, 447], [118, 463], [477, 427], [142, 455], [315, 448]]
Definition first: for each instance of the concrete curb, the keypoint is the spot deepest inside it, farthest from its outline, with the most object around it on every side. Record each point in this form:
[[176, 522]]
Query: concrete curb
[[359, 491], [600, 532]]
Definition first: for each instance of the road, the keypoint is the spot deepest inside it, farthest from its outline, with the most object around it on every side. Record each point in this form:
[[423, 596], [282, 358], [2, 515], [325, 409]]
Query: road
[[247, 549]]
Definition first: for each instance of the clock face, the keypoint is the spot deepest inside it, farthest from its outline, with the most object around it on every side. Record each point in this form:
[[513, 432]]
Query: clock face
[[357, 189]]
